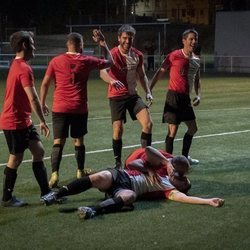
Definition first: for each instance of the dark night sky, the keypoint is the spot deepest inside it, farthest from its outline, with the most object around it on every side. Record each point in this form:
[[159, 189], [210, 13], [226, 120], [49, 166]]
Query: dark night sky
[[50, 16]]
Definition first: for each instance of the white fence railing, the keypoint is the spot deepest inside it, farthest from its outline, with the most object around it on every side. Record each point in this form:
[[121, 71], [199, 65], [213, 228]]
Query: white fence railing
[[232, 64]]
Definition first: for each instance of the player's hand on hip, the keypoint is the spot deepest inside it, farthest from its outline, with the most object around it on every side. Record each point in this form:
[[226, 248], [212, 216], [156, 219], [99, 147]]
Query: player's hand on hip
[[117, 84], [44, 129]]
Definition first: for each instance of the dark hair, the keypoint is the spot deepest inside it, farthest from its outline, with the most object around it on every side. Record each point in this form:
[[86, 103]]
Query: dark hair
[[18, 38], [75, 38], [127, 29], [187, 32], [180, 164]]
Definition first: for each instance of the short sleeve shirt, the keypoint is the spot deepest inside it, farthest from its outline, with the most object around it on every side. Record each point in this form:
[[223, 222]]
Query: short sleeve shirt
[[71, 73], [16, 113], [182, 71]]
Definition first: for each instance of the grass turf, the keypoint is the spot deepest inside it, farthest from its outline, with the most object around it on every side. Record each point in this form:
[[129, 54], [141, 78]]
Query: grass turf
[[221, 144]]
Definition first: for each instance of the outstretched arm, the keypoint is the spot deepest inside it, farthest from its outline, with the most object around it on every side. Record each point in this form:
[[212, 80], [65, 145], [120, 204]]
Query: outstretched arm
[[180, 197]]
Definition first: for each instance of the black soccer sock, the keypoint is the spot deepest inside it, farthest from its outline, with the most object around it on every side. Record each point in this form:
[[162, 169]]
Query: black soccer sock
[[80, 156], [40, 173], [169, 144], [187, 141], [75, 187], [56, 157], [146, 139], [117, 149], [109, 206], [9, 181]]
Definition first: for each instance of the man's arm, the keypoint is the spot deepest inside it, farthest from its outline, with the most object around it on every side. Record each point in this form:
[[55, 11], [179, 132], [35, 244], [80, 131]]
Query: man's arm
[[197, 89], [157, 76], [137, 164], [36, 107], [156, 158], [43, 93], [144, 82], [180, 197], [99, 38]]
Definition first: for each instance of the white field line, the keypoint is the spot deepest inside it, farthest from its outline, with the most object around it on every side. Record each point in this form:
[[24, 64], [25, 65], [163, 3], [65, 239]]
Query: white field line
[[138, 145]]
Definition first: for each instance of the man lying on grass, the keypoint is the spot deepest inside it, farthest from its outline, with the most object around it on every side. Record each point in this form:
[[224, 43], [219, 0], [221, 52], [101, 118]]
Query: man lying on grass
[[140, 178]]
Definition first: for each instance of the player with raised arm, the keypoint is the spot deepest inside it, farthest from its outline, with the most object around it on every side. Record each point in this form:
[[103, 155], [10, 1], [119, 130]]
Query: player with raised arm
[[122, 90], [70, 72]]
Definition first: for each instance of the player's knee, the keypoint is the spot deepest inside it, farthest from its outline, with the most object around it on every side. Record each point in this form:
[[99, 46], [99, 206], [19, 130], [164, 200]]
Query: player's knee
[[129, 197]]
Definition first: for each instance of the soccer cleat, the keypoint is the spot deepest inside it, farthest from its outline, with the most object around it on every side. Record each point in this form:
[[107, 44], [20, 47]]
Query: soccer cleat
[[86, 213], [54, 180], [50, 198], [14, 202], [193, 161], [85, 172]]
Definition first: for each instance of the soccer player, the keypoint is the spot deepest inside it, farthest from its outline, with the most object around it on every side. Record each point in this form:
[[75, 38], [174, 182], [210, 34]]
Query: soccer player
[[122, 93], [20, 133], [124, 187], [183, 66], [70, 72]]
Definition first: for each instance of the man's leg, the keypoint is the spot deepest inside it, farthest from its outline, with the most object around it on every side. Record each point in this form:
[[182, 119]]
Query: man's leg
[[187, 140], [145, 120], [117, 142], [101, 180], [111, 205], [169, 141], [9, 180], [56, 157]]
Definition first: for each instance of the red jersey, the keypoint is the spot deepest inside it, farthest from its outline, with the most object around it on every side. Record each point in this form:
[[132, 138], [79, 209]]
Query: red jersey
[[140, 154], [16, 113], [182, 71], [71, 73], [125, 70]]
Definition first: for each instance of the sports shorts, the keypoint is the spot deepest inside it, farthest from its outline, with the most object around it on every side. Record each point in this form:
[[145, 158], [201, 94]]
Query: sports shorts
[[65, 122], [119, 106], [177, 108], [18, 140], [121, 181]]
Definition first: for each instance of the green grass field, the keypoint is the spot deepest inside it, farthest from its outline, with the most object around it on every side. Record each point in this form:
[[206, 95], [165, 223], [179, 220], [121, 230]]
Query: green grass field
[[221, 144]]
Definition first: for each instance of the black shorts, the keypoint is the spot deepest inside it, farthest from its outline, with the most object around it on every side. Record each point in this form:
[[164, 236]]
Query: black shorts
[[177, 108], [119, 105], [121, 181], [62, 122], [18, 140]]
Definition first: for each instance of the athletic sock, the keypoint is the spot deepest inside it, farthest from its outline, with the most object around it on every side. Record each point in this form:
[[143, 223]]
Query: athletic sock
[[40, 173], [169, 144], [117, 149], [9, 181], [80, 156], [187, 141], [109, 206], [56, 157], [146, 139], [75, 187]]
